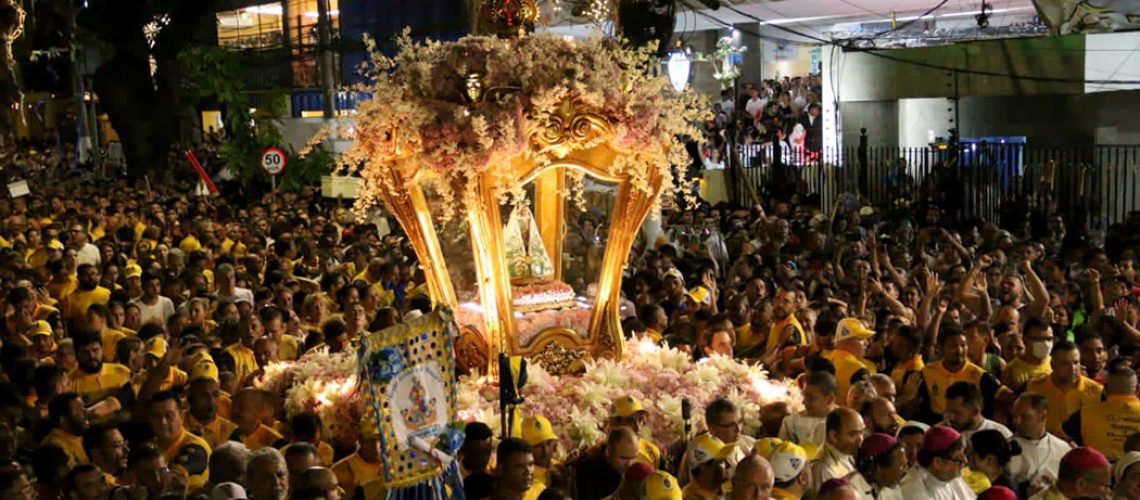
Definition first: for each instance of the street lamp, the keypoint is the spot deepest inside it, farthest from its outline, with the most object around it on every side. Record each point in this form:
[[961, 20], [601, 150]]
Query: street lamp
[[678, 66]]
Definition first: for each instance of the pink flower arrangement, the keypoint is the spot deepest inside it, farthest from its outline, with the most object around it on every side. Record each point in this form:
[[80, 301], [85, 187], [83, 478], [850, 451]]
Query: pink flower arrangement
[[456, 109], [661, 378], [577, 406]]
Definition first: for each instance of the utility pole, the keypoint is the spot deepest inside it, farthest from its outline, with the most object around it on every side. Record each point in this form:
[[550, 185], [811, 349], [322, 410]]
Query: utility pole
[[325, 57]]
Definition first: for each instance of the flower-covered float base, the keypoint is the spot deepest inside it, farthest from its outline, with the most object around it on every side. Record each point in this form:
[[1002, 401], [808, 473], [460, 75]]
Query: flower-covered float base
[[573, 315], [577, 405]]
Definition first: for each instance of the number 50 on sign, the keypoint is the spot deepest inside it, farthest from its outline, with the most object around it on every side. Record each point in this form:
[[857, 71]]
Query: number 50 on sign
[[273, 161]]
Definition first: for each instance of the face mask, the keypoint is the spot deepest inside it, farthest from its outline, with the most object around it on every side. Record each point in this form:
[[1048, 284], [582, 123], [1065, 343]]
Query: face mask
[[1040, 349]]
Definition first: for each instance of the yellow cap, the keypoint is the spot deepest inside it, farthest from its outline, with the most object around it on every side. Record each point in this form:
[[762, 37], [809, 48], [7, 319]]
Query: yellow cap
[[700, 295], [765, 446], [204, 369], [660, 485], [707, 448], [39, 328], [55, 245], [788, 461], [851, 328], [156, 347], [537, 430], [627, 406], [134, 271]]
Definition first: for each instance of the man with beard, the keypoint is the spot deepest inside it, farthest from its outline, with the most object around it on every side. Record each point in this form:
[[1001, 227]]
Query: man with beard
[[181, 449], [1034, 362], [104, 387], [107, 450], [69, 421], [928, 403], [964, 411], [87, 292], [786, 329], [881, 417], [1066, 389]]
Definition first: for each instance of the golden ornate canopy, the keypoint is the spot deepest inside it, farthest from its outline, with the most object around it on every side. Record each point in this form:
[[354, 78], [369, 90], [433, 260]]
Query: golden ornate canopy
[[483, 119]]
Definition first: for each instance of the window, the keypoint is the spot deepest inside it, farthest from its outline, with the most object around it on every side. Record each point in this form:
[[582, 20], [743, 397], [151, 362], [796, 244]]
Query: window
[[251, 28]]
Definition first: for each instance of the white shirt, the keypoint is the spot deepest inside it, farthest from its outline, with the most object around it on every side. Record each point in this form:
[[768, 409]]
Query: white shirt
[[830, 464], [755, 105], [158, 313], [919, 483], [239, 295], [987, 425], [868, 492], [88, 254], [1038, 458], [801, 428], [728, 107]]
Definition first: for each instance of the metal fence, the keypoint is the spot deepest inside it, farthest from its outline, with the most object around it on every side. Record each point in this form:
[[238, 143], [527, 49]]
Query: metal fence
[[1099, 185]]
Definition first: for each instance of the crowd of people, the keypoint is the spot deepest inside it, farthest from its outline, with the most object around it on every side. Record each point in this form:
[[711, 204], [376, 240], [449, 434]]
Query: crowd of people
[[938, 357]]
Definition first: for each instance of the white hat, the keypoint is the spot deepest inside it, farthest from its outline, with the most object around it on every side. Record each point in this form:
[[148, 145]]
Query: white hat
[[228, 491], [413, 314]]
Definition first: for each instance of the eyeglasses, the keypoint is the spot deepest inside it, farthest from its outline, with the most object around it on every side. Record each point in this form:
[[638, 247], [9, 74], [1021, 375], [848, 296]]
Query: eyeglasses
[[960, 461]]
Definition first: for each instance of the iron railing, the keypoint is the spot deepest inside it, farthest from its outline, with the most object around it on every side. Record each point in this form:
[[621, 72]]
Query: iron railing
[[1097, 185]]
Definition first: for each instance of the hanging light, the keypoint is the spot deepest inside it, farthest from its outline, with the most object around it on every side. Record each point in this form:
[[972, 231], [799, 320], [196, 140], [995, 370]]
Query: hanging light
[[679, 64]]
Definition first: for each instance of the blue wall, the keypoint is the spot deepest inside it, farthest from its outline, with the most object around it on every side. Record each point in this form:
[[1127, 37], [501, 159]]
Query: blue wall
[[384, 19]]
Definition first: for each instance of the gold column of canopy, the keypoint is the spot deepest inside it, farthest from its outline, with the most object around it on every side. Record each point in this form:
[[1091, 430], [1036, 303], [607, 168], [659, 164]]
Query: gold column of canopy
[[409, 206], [490, 254], [550, 201], [630, 209]]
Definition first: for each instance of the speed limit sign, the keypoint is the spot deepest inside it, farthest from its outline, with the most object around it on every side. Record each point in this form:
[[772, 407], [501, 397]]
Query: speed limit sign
[[273, 161]]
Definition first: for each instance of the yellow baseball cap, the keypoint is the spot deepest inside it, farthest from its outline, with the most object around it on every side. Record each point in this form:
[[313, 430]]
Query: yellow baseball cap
[[852, 328], [765, 446], [55, 245], [788, 461], [707, 448], [204, 369], [155, 346], [700, 295], [674, 273], [40, 327], [626, 406], [660, 485], [134, 271], [537, 430]]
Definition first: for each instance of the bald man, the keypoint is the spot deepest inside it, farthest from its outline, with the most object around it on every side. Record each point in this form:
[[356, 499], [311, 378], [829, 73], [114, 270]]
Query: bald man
[[843, 492], [753, 479], [599, 474], [837, 457]]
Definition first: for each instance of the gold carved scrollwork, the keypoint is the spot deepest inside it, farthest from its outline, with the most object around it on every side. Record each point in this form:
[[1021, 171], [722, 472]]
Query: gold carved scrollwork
[[556, 359], [569, 128]]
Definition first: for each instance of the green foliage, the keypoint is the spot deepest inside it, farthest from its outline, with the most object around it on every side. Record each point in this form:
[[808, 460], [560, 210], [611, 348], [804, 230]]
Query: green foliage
[[212, 72]]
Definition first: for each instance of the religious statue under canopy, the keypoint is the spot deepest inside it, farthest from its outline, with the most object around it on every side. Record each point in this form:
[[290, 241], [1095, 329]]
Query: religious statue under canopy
[[528, 262]]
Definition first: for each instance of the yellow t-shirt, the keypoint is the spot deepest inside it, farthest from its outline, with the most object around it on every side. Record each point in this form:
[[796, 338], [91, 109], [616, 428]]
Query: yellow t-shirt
[[1064, 403], [846, 364], [776, 332], [288, 348], [937, 379], [190, 244], [111, 339], [244, 361], [898, 374], [353, 471], [648, 453], [214, 433], [191, 454], [72, 445], [260, 438], [76, 303], [59, 288], [1018, 373], [1106, 425], [95, 387]]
